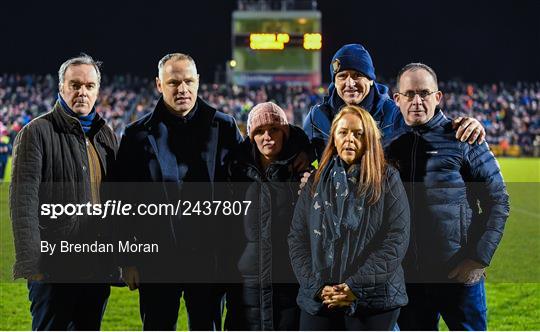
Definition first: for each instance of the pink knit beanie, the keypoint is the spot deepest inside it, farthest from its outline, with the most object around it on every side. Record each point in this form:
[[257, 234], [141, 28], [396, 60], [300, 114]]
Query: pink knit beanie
[[267, 114]]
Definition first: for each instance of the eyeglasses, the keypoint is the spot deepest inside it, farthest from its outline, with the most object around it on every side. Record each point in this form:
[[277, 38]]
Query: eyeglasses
[[422, 94]]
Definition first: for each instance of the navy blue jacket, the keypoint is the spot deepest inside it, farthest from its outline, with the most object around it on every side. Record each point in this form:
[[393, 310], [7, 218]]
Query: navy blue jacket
[[459, 204], [141, 140], [371, 255], [383, 109], [147, 161]]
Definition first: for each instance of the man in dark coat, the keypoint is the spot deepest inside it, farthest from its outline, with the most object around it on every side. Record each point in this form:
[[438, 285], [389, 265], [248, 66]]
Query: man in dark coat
[[62, 157], [353, 83], [459, 206], [183, 141]]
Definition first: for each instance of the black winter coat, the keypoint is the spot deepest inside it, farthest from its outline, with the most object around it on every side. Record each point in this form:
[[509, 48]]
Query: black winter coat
[[148, 169], [372, 266], [448, 182], [50, 165], [262, 255]]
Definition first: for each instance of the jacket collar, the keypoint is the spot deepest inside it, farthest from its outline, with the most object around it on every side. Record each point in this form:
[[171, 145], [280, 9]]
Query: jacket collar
[[202, 108], [436, 121], [69, 124], [296, 142], [372, 103], [247, 154], [158, 138]]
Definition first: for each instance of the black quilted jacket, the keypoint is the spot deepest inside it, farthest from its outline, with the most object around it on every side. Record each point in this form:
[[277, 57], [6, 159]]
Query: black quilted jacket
[[373, 261]]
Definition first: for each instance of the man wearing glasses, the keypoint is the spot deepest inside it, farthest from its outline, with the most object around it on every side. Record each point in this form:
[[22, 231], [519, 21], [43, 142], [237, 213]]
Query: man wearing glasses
[[459, 206], [353, 83]]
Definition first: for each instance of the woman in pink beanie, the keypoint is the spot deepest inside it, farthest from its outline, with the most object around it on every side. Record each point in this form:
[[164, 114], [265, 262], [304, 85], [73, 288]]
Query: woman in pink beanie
[[268, 127], [264, 171]]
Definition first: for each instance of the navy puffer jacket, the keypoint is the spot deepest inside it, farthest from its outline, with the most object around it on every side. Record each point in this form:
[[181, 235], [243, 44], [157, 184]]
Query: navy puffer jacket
[[459, 203]]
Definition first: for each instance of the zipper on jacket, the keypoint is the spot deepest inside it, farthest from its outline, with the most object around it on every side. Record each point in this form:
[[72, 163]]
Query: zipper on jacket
[[412, 179], [86, 165], [270, 285]]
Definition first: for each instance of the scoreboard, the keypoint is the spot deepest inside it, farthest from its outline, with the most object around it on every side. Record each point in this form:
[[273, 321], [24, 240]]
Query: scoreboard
[[276, 47]]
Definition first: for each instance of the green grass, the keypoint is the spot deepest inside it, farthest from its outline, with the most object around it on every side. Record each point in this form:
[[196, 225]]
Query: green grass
[[513, 284], [122, 309]]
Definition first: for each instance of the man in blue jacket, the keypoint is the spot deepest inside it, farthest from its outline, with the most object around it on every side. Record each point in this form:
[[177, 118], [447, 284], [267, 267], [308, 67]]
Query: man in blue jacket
[[459, 206], [353, 83], [183, 141]]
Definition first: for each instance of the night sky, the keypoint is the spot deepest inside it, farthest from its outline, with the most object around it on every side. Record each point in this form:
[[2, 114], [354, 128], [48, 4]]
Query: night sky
[[481, 41]]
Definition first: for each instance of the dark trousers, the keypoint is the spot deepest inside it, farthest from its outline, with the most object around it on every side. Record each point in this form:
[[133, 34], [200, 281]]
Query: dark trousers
[[67, 306], [332, 320], [286, 311], [335, 319], [245, 312], [463, 307], [159, 305]]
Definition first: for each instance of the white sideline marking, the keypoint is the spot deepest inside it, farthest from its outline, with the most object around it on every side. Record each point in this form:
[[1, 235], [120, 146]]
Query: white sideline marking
[[526, 212]]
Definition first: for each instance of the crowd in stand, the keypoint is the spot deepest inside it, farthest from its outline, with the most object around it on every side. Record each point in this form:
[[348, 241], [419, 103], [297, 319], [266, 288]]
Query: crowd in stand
[[509, 112]]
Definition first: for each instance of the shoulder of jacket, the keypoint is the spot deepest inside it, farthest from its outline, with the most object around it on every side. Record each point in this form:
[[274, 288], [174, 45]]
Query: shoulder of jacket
[[38, 124], [390, 108], [321, 108], [137, 125], [108, 132], [43, 119], [391, 171], [445, 131], [474, 151], [106, 129], [389, 103], [219, 116]]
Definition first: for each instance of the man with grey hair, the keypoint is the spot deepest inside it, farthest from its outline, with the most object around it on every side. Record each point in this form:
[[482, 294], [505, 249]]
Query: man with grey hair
[[62, 157], [182, 142]]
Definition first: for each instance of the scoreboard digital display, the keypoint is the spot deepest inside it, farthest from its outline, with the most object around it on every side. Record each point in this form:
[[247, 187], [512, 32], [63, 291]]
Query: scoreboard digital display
[[277, 46], [277, 41]]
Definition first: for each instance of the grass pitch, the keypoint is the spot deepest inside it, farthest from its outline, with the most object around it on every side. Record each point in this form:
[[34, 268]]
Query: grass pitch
[[513, 284]]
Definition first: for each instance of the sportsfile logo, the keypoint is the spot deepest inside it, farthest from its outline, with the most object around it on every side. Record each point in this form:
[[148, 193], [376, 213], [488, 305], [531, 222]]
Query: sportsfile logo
[[118, 208]]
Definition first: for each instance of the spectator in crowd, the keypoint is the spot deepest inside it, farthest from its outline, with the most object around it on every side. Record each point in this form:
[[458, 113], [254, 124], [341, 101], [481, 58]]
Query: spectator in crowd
[[5, 152], [125, 98]]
